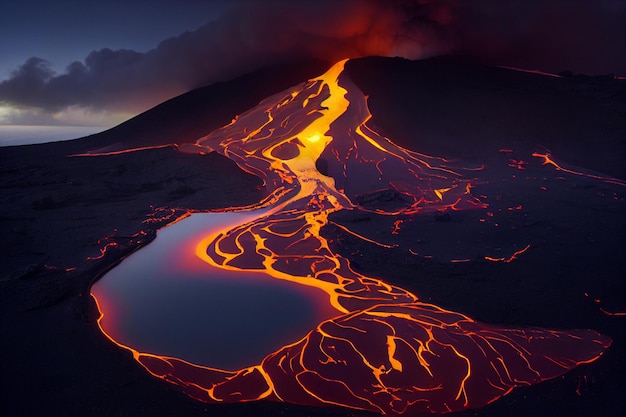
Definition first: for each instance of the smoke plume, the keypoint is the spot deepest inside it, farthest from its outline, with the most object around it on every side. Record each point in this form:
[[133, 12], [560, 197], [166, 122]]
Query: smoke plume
[[250, 36], [254, 34]]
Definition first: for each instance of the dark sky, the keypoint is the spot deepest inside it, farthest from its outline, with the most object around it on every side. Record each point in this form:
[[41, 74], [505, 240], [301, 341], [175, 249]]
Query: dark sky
[[100, 62]]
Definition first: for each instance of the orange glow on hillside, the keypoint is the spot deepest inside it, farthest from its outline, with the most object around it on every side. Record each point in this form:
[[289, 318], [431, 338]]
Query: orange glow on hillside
[[386, 351]]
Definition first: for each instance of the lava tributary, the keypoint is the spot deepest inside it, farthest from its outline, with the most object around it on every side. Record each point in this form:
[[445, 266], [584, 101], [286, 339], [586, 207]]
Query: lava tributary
[[385, 351]]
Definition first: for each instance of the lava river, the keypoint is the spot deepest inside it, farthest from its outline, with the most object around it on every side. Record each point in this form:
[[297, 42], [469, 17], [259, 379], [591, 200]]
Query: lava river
[[384, 351]]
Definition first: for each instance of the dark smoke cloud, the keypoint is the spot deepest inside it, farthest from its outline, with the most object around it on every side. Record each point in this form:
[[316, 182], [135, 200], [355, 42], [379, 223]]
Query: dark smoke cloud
[[252, 35], [585, 36]]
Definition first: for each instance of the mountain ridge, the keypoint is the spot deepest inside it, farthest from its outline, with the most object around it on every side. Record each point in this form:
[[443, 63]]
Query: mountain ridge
[[443, 106]]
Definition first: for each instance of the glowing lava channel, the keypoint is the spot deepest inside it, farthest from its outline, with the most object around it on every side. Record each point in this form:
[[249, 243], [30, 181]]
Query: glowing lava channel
[[386, 352]]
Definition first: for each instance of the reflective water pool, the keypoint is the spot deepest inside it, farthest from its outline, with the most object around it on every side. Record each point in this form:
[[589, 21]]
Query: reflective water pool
[[165, 300]]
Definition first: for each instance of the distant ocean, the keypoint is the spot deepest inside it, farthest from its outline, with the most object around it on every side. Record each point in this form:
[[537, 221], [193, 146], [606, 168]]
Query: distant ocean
[[26, 135]]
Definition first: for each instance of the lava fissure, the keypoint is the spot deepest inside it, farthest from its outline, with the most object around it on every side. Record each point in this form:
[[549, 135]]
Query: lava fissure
[[384, 351]]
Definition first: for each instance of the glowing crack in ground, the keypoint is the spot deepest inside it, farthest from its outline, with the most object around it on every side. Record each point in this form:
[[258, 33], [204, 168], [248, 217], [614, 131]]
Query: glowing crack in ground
[[384, 350]]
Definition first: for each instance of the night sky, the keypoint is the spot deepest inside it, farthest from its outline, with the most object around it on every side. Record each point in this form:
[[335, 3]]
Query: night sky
[[98, 63]]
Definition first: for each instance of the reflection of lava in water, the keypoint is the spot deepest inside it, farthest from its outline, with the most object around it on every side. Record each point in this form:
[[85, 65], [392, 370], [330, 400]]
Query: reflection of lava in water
[[158, 289], [387, 352]]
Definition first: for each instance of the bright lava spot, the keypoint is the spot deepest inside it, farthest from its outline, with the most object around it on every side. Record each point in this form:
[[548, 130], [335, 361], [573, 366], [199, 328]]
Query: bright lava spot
[[384, 351], [314, 137]]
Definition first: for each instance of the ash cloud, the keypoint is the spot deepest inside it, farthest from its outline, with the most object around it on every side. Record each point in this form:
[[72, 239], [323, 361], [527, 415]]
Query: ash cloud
[[250, 36], [553, 36], [582, 36]]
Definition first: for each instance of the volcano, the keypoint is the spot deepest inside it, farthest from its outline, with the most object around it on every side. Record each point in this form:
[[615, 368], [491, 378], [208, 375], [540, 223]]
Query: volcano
[[424, 198]]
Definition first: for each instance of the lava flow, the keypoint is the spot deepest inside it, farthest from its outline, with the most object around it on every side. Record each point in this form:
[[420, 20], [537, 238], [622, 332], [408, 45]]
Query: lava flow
[[385, 351]]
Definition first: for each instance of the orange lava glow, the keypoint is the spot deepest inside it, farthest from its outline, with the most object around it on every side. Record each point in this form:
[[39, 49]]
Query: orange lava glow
[[107, 242], [103, 152], [510, 258], [386, 351], [605, 311], [548, 160]]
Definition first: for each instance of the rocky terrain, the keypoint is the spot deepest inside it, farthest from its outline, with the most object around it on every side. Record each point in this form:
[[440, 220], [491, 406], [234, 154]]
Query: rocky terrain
[[65, 220]]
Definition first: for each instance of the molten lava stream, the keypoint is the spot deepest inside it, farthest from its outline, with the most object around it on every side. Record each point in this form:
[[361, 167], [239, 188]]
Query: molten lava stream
[[384, 351]]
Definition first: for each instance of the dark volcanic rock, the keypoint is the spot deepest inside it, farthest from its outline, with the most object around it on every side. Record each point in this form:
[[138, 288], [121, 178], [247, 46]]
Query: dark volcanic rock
[[387, 199], [56, 212], [450, 107]]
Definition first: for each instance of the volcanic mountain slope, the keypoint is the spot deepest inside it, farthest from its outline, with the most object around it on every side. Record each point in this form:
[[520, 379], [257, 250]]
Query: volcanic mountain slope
[[441, 107], [196, 113], [453, 108]]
